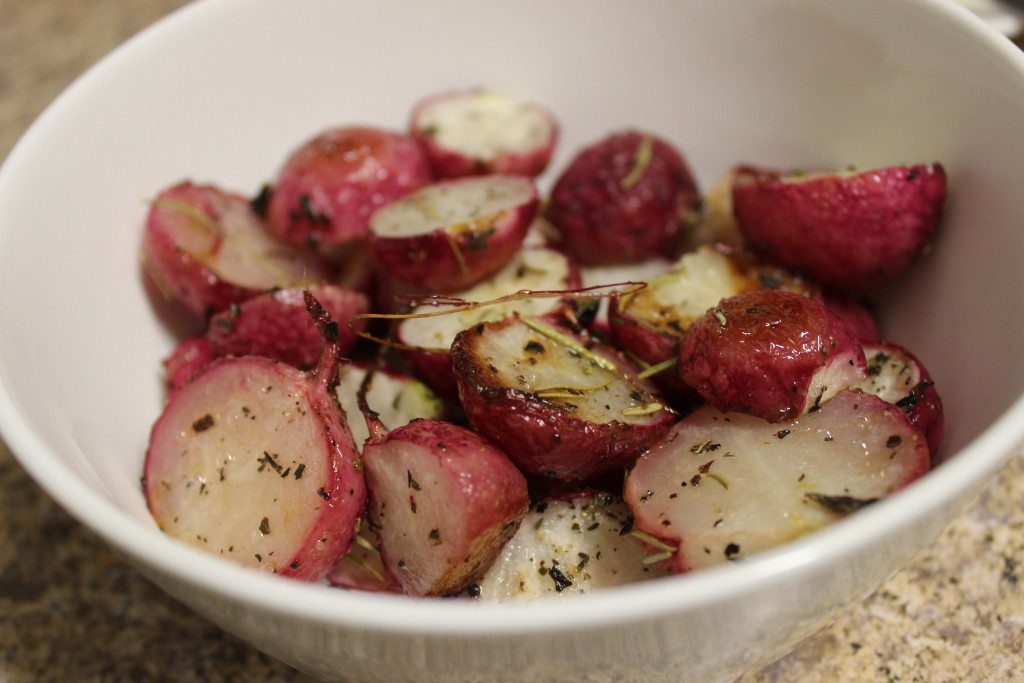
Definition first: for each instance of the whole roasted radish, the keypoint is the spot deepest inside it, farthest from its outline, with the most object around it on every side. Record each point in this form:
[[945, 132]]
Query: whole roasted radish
[[253, 461], [443, 500], [477, 132], [649, 323], [277, 326], [897, 376], [208, 249], [569, 545], [450, 235], [848, 231], [626, 198], [431, 338], [329, 187], [722, 486], [555, 403], [771, 353]]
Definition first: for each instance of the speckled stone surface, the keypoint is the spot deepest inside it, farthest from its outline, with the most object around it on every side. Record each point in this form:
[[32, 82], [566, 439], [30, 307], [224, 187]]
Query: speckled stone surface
[[72, 610]]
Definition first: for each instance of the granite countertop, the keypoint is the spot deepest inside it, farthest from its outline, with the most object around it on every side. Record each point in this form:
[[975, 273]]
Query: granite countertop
[[72, 609]]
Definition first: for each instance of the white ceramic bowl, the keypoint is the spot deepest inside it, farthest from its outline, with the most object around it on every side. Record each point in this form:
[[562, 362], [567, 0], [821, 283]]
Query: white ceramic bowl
[[223, 90]]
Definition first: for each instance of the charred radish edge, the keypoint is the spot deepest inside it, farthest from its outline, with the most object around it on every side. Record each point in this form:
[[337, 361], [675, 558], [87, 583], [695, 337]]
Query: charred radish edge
[[574, 542], [721, 486], [457, 305], [577, 409], [444, 501], [450, 235], [451, 159], [910, 388]]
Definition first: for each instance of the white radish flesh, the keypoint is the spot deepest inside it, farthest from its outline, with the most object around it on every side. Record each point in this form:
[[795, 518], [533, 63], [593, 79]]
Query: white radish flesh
[[397, 399]]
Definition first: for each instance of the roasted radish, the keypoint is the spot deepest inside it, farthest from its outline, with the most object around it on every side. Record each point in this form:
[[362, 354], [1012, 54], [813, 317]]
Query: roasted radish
[[444, 502], [856, 316], [848, 231], [649, 323], [532, 269], [329, 187], [450, 235], [555, 403], [722, 486], [277, 326], [208, 249], [644, 271], [772, 354], [569, 545], [718, 224], [396, 398], [896, 376], [627, 198], [189, 358], [477, 132], [252, 460]]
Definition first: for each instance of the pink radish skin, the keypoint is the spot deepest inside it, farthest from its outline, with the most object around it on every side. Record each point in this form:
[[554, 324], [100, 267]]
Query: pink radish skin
[[502, 371], [626, 198], [897, 376], [330, 186], [723, 486], [253, 461], [533, 269], [847, 231], [444, 501], [188, 360], [856, 317], [476, 132], [277, 326], [449, 236], [772, 354], [208, 249]]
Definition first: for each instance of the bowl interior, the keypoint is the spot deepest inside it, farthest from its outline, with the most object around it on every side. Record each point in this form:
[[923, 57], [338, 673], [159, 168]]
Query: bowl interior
[[224, 90]]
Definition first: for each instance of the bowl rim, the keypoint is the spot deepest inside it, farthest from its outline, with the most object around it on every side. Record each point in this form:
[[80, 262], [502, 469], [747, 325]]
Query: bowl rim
[[963, 471]]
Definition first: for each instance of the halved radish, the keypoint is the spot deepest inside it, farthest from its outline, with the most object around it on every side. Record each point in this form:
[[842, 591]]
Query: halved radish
[[626, 198], [649, 323], [276, 325], [208, 249], [252, 460], [444, 502], [555, 403], [533, 269], [450, 235], [396, 398], [644, 271], [477, 132], [772, 354], [362, 567], [849, 231], [569, 545], [722, 486], [329, 187], [897, 376]]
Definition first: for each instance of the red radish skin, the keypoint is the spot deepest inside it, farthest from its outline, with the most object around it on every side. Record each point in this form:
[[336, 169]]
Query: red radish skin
[[858, 318], [772, 354], [897, 376], [253, 461], [533, 269], [329, 187], [277, 326], [723, 486], [649, 323], [626, 198], [188, 360], [583, 537], [207, 249], [448, 236], [506, 371], [444, 502], [362, 568], [847, 231], [477, 132]]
